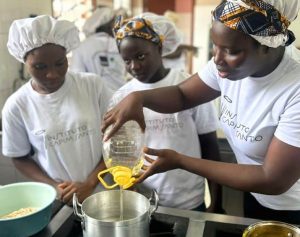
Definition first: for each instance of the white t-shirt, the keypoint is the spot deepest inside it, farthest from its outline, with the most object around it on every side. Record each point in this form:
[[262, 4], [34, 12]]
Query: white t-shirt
[[253, 110], [62, 128], [99, 54], [176, 63], [179, 131]]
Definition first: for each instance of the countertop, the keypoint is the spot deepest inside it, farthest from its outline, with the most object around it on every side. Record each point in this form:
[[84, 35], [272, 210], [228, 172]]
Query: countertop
[[195, 228]]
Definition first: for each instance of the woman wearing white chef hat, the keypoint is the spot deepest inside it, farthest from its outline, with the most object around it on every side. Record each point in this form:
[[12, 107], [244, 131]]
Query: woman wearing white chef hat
[[98, 53], [51, 124]]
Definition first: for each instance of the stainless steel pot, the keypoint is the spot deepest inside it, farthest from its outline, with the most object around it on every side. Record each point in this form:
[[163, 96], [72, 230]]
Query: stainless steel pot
[[100, 214], [271, 229]]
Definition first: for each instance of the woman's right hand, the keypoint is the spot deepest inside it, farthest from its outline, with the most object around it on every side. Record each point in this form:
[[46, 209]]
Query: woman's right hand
[[130, 108]]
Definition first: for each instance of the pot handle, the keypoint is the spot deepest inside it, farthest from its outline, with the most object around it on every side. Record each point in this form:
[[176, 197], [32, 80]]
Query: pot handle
[[75, 205], [153, 198]]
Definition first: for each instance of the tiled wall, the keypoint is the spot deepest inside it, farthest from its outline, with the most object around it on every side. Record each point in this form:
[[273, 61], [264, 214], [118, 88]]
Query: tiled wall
[[10, 10]]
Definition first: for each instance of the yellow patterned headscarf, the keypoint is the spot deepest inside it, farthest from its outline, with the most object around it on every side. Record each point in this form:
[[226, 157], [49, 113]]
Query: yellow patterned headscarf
[[256, 18], [136, 27], [152, 27]]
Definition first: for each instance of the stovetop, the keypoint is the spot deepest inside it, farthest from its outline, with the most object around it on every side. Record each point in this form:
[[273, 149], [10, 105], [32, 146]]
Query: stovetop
[[219, 229], [160, 225]]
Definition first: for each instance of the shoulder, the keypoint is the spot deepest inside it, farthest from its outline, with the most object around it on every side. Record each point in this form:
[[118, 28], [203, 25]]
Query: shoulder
[[17, 99], [129, 86], [293, 53], [178, 75], [86, 79]]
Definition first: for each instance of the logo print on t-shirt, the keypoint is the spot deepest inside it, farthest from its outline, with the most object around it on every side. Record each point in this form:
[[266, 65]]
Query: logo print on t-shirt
[[62, 137], [229, 118], [227, 98]]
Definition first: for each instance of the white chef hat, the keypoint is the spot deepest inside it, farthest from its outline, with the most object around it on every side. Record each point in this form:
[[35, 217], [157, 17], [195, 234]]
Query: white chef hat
[[30, 33], [165, 31], [165, 27], [100, 16]]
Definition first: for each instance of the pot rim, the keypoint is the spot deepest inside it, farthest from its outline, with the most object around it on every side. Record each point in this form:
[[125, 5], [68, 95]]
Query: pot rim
[[139, 218], [291, 227], [122, 223]]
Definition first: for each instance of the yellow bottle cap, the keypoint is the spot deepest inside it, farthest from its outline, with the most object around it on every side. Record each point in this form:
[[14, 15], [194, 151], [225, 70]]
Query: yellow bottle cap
[[122, 176]]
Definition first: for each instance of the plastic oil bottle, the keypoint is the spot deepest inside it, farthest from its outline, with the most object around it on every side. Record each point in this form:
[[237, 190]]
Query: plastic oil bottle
[[123, 155]]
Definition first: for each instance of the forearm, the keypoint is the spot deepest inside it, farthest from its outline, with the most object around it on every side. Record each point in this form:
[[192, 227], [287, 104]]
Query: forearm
[[163, 100], [31, 170], [248, 178]]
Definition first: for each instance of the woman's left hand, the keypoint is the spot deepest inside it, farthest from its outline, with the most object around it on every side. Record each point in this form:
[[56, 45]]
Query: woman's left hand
[[166, 160], [82, 191]]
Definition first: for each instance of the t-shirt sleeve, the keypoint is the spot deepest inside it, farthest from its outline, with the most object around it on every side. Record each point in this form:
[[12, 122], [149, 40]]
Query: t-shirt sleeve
[[105, 97], [288, 129], [209, 75], [15, 142], [205, 117]]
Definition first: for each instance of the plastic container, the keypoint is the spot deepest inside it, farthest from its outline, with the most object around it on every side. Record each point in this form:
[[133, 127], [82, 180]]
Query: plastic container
[[23, 195], [123, 155]]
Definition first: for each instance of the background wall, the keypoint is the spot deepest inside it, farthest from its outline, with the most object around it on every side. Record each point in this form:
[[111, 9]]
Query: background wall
[[9, 67], [9, 11]]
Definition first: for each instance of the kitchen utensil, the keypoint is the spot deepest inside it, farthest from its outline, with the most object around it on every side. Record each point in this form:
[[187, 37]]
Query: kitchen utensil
[[100, 214], [23, 195]]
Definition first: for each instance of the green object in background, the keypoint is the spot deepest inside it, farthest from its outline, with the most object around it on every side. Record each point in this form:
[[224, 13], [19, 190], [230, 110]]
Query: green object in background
[[22, 195]]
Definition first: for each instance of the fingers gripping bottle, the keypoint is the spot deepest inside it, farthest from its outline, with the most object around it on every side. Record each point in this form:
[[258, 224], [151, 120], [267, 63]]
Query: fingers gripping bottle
[[123, 155]]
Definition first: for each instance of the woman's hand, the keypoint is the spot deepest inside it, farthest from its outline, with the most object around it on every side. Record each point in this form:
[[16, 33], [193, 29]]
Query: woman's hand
[[130, 108], [166, 160], [67, 189]]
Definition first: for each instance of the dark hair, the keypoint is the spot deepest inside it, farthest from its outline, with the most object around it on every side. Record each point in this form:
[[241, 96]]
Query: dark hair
[[31, 51]]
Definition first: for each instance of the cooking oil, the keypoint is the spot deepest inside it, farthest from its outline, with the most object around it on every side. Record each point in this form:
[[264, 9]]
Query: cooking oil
[[123, 155]]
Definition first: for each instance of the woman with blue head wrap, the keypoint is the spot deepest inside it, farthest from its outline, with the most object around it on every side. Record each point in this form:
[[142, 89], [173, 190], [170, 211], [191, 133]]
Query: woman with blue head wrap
[[255, 71]]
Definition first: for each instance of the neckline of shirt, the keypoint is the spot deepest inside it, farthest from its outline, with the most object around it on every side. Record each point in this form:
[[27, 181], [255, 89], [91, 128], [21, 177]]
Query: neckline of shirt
[[155, 84], [54, 95]]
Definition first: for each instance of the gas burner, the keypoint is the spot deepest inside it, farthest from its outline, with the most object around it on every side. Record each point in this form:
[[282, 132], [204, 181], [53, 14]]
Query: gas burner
[[219, 229], [168, 225]]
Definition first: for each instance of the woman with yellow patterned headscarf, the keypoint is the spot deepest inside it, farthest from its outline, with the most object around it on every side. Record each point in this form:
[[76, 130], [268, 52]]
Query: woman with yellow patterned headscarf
[[255, 71], [142, 41], [149, 26]]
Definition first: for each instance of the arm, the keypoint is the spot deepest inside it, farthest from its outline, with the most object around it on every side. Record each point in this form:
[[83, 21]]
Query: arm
[[210, 149], [278, 173], [31, 170], [170, 99], [83, 190]]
